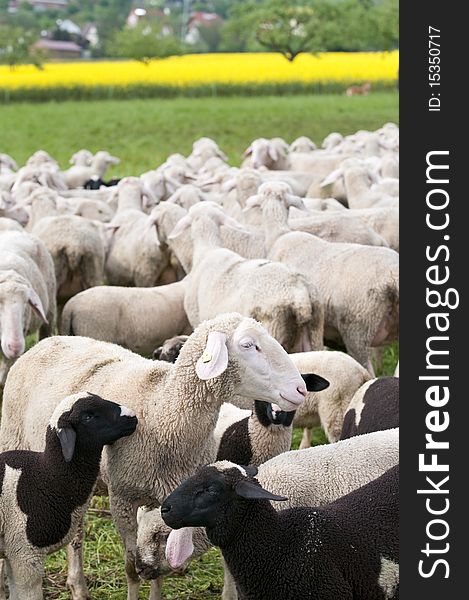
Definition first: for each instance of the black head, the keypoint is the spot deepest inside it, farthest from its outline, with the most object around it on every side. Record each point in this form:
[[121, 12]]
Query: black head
[[89, 421], [314, 383], [93, 184], [271, 414], [207, 496]]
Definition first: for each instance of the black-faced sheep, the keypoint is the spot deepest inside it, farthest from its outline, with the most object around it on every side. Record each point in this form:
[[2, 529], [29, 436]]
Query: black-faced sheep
[[347, 549], [44, 495]]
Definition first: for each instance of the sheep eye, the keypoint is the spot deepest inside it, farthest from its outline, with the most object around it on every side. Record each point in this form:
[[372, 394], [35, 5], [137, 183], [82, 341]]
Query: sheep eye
[[87, 417]]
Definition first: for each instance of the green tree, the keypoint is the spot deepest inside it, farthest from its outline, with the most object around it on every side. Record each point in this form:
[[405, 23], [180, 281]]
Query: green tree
[[143, 43], [15, 44], [285, 27], [211, 35], [387, 24]]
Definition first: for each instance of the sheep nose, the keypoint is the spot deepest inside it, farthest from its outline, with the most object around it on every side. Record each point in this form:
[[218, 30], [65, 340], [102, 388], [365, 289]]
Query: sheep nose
[[15, 349], [301, 390]]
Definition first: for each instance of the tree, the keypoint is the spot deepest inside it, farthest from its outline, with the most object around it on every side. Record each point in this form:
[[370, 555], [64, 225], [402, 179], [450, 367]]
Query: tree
[[211, 35], [387, 24], [314, 25], [285, 27], [143, 43], [15, 44]]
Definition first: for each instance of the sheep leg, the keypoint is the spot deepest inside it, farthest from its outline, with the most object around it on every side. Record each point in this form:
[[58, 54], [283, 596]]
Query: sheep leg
[[3, 595], [358, 348], [124, 516], [377, 355], [306, 439], [5, 366], [229, 586], [155, 589], [25, 583], [76, 581]]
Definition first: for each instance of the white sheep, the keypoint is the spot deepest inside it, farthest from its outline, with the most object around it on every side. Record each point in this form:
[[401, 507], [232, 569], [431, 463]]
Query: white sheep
[[7, 224], [134, 256], [303, 144], [78, 175], [358, 181], [177, 406], [9, 210], [269, 153], [221, 281], [27, 294], [77, 249], [203, 149], [136, 318], [81, 158], [359, 285]]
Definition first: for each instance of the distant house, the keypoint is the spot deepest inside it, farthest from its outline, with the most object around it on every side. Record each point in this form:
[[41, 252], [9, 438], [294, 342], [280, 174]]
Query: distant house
[[39, 4], [69, 27], [90, 34], [58, 48], [198, 20]]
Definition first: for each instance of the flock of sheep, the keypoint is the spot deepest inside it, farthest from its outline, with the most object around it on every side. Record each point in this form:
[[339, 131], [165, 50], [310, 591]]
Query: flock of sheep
[[186, 319]]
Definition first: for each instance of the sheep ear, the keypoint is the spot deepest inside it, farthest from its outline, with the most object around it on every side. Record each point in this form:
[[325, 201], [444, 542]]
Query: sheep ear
[[273, 153], [315, 383], [157, 353], [67, 438], [214, 360], [180, 226], [296, 201], [247, 152], [228, 185], [179, 546], [233, 223], [252, 201], [36, 305], [251, 470], [332, 177], [252, 491]]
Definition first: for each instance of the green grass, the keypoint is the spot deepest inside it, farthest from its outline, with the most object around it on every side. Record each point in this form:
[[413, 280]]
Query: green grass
[[144, 132]]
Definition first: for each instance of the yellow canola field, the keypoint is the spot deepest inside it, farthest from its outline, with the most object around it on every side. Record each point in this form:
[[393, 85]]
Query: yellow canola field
[[199, 69]]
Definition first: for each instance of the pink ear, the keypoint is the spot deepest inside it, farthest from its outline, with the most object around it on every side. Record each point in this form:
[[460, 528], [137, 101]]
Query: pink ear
[[36, 304], [179, 547], [247, 152], [180, 226], [214, 360]]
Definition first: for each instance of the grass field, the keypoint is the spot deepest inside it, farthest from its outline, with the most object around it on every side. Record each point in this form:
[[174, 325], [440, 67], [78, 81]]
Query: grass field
[[143, 133]]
